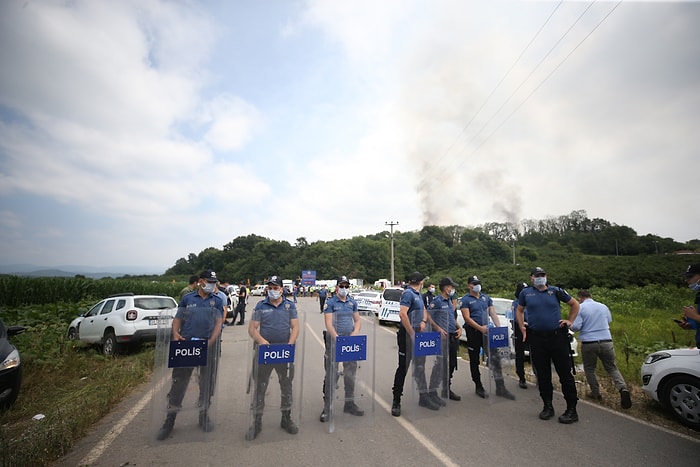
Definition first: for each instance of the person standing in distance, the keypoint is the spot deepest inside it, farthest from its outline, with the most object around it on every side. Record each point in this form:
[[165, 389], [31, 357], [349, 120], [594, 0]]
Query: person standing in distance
[[322, 295], [476, 308], [198, 317], [342, 319], [548, 336], [429, 296], [442, 318], [413, 319], [274, 321], [593, 322], [691, 317], [240, 306]]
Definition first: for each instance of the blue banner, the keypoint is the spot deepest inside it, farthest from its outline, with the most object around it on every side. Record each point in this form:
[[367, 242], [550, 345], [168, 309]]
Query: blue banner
[[272, 354], [308, 278], [350, 348], [498, 337], [187, 353], [427, 343]]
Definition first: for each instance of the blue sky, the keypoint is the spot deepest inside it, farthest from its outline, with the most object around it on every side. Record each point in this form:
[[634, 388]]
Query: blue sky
[[133, 133]]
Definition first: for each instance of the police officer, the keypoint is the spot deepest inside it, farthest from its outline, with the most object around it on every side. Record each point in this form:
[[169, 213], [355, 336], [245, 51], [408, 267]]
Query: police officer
[[199, 316], [441, 314], [342, 319], [429, 296], [548, 336], [518, 343], [274, 321], [476, 308], [413, 319], [322, 295]]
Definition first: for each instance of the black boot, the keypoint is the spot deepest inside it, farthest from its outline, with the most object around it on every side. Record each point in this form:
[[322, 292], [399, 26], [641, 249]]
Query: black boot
[[205, 422], [254, 429], [480, 391], [167, 427], [501, 391], [352, 408], [287, 424], [396, 407], [425, 401], [547, 411], [569, 416], [436, 399]]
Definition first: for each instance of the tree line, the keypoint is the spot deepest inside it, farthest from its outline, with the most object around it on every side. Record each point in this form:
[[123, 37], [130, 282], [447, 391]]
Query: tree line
[[577, 252]]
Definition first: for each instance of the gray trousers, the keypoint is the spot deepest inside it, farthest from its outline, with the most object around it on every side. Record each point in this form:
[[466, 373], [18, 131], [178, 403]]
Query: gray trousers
[[590, 353]]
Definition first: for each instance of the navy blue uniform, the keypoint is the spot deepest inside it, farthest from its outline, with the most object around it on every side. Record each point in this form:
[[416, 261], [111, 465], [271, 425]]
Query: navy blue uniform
[[549, 343], [416, 309], [443, 314], [344, 323]]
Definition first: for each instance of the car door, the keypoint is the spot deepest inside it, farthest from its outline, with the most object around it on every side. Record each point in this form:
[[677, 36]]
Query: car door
[[88, 324]]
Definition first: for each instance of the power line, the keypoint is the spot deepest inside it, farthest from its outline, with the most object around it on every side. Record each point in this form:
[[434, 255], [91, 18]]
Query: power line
[[544, 80]]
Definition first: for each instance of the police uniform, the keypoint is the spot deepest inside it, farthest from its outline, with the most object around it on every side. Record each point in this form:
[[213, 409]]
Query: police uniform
[[344, 324], [275, 327], [549, 343], [322, 295], [443, 314], [478, 311], [416, 309], [198, 318]]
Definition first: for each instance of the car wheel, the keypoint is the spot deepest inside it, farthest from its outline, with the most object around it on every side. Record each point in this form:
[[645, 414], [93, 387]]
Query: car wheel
[[681, 394], [72, 334], [109, 344]]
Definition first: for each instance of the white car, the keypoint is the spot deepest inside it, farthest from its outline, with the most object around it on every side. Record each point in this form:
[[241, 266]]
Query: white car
[[122, 319], [258, 290], [368, 301], [502, 306], [390, 304], [672, 377]]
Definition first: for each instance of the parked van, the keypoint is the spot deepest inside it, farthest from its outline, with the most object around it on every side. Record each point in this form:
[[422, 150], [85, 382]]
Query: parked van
[[390, 304]]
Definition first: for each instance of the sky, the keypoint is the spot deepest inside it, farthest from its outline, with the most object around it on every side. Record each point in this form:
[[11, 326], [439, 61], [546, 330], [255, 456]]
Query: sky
[[134, 133]]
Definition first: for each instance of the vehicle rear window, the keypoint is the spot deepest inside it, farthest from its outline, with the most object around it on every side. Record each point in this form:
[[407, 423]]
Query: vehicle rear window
[[393, 295], [154, 303]]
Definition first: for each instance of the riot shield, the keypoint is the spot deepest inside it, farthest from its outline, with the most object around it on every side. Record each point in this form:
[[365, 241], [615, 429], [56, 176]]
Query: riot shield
[[429, 373], [274, 388], [498, 359], [184, 384], [349, 381]]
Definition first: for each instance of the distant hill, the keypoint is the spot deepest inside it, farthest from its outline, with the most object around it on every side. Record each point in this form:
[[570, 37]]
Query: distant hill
[[32, 270]]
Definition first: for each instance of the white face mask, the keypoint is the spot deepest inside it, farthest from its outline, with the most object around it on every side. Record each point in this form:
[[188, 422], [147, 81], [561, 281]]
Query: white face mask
[[695, 287], [209, 287], [431, 290], [273, 294], [477, 288], [540, 281], [451, 293], [343, 292]]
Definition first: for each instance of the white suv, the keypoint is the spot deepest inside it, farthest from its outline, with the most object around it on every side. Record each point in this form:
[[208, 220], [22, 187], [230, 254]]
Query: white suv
[[122, 319], [672, 377]]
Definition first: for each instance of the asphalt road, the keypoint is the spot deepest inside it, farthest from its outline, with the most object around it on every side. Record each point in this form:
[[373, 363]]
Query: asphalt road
[[471, 431]]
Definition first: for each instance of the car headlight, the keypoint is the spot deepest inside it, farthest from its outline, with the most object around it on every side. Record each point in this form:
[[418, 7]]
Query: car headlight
[[655, 357], [11, 361]]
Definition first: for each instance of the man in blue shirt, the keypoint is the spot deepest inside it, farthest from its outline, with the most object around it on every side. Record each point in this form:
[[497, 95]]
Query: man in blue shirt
[[441, 315], [322, 295], [691, 317], [548, 336], [593, 322], [476, 308], [413, 319], [341, 319], [274, 321], [199, 316]]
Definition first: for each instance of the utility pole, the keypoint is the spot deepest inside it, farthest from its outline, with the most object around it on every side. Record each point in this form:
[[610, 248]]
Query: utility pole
[[391, 224]]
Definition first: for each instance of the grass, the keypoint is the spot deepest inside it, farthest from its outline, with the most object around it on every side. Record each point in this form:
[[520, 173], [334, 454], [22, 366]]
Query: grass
[[72, 385]]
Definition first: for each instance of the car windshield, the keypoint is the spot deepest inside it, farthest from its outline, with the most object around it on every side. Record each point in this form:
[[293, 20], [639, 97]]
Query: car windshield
[[368, 294], [393, 295], [501, 306], [154, 303]]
